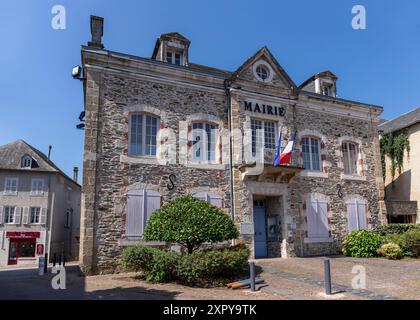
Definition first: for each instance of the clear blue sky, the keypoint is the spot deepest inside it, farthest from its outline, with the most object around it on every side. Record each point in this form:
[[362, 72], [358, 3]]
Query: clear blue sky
[[40, 102]]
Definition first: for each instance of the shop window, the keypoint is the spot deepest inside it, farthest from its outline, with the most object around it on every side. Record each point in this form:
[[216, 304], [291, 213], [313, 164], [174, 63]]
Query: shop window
[[140, 206], [27, 248], [143, 132]]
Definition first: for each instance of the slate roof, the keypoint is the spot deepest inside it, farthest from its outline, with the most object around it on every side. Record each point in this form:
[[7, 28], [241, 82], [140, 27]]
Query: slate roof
[[401, 122], [11, 155]]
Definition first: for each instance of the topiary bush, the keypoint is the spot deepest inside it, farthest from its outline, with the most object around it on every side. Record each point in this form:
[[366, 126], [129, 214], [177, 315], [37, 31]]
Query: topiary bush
[[362, 244], [395, 228], [201, 268], [411, 240], [190, 222], [391, 251]]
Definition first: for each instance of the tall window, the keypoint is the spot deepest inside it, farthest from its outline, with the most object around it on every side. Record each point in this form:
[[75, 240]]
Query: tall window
[[9, 214], [11, 185], [350, 153], [204, 141], [173, 57], [269, 129], [35, 215], [143, 132], [37, 186], [311, 154]]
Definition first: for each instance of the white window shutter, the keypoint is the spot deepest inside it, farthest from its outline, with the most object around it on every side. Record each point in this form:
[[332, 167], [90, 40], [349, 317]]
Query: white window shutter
[[352, 216], [1, 215], [323, 230], [312, 222], [200, 195], [215, 200], [361, 215], [1, 239], [25, 219], [134, 218], [18, 215], [43, 219], [152, 204]]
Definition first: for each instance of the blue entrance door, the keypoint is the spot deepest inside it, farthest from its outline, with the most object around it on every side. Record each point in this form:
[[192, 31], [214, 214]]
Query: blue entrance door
[[260, 232]]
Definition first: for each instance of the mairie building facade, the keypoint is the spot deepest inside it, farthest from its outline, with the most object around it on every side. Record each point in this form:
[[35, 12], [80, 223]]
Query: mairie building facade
[[146, 118]]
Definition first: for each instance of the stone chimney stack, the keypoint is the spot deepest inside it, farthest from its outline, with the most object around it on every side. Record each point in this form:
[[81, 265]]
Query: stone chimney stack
[[97, 31], [75, 174]]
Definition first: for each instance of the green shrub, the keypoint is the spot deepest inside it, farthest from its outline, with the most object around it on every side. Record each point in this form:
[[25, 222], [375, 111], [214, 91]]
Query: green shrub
[[155, 264], [361, 243], [411, 240], [213, 266], [190, 222], [395, 228], [201, 268], [391, 251]]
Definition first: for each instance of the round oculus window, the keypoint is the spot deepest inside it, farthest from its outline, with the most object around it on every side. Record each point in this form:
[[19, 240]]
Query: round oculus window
[[262, 72]]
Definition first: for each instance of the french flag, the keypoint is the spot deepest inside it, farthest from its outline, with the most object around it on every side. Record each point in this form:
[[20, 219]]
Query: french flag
[[278, 151], [286, 155]]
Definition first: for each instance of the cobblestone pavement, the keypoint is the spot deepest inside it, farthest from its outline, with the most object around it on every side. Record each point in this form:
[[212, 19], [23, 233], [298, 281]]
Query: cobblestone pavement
[[293, 279], [385, 279]]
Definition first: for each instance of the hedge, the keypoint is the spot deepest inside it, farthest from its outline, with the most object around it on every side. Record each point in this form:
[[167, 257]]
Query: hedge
[[202, 268], [395, 228]]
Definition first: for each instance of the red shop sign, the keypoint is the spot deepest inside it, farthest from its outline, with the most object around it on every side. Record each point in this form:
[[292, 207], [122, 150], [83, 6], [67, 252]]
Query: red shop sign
[[11, 234], [39, 249]]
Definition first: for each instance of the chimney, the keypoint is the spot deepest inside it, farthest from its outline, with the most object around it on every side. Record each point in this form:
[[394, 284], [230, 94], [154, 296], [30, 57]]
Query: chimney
[[75, 173], [49, 152], [97, 31]]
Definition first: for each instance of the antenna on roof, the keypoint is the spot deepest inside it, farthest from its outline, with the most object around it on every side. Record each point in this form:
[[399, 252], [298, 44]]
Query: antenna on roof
[[49, 151]]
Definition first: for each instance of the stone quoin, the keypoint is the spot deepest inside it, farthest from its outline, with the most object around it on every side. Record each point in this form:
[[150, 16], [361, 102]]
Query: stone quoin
[[332, 185]]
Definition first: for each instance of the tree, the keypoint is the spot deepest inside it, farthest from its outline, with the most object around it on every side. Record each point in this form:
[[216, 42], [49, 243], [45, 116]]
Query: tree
[[190, 222]]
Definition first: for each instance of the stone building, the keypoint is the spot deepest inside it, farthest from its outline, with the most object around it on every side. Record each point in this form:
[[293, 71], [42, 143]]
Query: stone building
[[164, 126], [39, 207], [402, 192]]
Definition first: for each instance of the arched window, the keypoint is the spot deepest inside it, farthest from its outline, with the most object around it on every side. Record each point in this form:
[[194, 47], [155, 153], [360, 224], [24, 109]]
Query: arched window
[[142, 135], [26, 161], [311, 153], [204, 138], [350, 155]]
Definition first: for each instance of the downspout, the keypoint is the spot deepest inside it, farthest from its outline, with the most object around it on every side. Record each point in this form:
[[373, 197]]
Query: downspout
[[226, 85]]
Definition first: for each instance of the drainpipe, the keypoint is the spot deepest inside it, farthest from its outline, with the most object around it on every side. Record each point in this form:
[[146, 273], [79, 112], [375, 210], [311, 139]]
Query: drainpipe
[[226, 85]]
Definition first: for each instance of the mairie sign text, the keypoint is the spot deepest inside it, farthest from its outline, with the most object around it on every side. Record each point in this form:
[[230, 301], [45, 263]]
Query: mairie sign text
[[263, 108]]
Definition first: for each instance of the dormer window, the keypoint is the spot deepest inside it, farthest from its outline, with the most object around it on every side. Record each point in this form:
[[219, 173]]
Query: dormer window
[[26, 162], [173, 57], [327, 90]]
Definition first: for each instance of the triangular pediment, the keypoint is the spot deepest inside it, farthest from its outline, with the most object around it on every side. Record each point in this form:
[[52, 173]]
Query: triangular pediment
[[276, 74]]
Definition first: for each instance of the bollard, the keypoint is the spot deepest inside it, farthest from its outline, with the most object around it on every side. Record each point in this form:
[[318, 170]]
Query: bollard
[[41, 266], [252, 275], [327, 272], [59, 260], [54, 259], [46, 263], [64, 259]]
